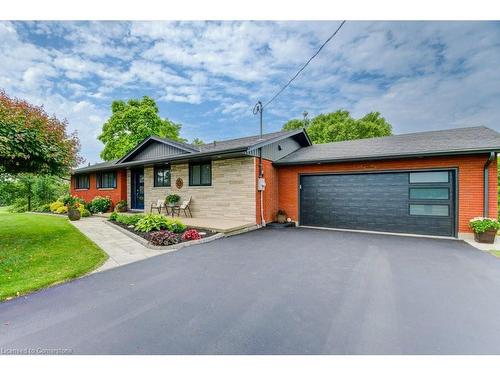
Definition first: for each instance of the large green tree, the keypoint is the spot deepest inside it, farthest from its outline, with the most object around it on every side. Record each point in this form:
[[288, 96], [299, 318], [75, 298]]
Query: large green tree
[[31, 141], [130, 123], [341, 126]]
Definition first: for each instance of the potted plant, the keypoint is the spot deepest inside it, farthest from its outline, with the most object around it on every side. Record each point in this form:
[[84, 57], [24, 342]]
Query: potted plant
[[172, 199], [485, 229], [121, 206], [73, 206], [281, 216]]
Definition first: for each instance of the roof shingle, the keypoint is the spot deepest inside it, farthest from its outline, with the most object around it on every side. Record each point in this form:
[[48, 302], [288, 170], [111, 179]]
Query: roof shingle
[[459, 140]]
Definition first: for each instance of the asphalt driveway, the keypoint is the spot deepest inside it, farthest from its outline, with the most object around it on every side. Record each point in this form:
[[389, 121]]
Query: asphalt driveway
[[292, 291]]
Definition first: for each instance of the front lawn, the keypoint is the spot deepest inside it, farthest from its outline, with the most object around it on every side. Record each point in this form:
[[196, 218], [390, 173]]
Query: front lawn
[[39, 250]]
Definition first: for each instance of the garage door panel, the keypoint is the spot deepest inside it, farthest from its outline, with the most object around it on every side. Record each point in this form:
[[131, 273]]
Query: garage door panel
[[373, 201]]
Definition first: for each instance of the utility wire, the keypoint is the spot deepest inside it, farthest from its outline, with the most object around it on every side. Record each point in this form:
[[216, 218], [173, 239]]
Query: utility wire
[[304, 66]]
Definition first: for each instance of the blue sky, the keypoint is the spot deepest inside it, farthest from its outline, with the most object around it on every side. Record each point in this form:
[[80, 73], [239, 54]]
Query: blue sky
[[208, 75]]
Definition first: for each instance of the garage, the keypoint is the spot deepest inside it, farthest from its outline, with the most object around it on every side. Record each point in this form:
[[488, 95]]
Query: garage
[[417, 202]]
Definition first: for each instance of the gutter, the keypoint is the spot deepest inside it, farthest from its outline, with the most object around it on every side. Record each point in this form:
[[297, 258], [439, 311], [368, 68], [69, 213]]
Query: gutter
[[486, 183]]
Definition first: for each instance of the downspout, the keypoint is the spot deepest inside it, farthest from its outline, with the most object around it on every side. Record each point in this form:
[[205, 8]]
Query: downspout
[[261, 176], [486, 183]]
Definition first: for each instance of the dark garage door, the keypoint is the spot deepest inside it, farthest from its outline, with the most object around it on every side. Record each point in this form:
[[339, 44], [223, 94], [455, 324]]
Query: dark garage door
[[404, 202]]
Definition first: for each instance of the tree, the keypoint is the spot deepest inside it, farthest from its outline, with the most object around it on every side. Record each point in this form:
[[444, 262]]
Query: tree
[[294, 124], [32, 141], [130, 123], [340, 126], [26, 191], [198, 141]]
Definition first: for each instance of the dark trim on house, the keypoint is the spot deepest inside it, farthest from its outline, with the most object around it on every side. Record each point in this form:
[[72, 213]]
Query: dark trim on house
[[386, 157], [486, 183]]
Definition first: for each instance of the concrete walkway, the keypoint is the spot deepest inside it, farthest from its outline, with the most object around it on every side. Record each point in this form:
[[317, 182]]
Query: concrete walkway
[[120, 248]]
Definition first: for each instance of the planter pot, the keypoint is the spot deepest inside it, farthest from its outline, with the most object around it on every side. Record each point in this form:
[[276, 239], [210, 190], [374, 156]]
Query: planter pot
[[74, 214], [486, 237]]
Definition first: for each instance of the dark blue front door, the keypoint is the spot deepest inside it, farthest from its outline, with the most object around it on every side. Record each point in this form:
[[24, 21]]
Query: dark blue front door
[[137, 187]]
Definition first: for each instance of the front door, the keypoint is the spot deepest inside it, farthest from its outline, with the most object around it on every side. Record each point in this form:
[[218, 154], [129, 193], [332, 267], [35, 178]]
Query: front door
[[137, 189]]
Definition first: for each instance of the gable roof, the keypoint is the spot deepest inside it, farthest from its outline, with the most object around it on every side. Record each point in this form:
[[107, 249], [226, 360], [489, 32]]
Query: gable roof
[[441, 142], [152, 138], [238, 146]]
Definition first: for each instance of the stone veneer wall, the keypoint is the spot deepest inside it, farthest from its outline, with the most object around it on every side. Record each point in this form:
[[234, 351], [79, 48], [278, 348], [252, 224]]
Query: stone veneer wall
[[231, 196]]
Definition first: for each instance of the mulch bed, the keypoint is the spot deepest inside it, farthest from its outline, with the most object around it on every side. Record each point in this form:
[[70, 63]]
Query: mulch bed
[[146, 235]]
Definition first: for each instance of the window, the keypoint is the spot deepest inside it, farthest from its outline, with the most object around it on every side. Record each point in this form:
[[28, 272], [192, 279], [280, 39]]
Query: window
[[82, 181], [106, 180], [200, 174], [429, 193], [162, 176], [429, 209], [426, 177]]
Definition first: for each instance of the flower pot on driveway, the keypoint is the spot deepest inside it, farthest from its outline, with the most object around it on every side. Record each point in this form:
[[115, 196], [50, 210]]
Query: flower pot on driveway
[[486, 237], [74, 214]]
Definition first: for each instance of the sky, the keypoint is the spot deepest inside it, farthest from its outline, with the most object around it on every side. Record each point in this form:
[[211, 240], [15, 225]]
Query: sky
[[207, 76]]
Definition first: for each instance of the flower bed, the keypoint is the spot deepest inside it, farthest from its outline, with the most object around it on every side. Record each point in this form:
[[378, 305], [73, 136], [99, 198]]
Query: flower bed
[[164, 231]]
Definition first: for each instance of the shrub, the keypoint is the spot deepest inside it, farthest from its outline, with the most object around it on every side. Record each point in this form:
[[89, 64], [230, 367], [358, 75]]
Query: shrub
[[482, 224], [121, 206], [42, 208], [191, 234], [175, 225], [100, 204], [172, 199], [62, 210], [152, 222], [55, 206], [85, 212], [113, 216], [129, 219], [163, 238]]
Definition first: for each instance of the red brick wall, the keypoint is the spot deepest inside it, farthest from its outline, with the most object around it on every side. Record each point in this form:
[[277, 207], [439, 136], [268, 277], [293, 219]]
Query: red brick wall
[[271, 192], [117, 194], [470, 181]]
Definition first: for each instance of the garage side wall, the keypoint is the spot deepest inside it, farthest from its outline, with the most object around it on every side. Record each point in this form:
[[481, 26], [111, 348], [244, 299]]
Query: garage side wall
[[470, 181]]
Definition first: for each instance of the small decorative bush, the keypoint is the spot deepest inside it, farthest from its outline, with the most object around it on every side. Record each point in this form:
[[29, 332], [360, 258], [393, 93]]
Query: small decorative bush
[[175, 225], [53, 207], [62, 210], [84, 212], [482, 224], [100, 204], [163, 238], [121, 206], [113, 216], [129, 219], [172, 199], [191, 234], [152, 222], [281, 216]]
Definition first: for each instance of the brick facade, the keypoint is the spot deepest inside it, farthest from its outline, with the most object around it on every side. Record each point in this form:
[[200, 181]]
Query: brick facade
[[270, 193], [117, 194], [231, 196], [470, 181]]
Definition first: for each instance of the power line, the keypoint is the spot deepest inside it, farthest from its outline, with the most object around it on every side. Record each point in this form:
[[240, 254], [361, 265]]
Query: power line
[[304, 66]]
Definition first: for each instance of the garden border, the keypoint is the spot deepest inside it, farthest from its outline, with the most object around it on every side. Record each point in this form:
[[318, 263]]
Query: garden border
[[178, 246]]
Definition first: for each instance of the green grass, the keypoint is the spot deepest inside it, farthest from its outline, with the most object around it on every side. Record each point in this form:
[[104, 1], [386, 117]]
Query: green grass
[[40, 250]]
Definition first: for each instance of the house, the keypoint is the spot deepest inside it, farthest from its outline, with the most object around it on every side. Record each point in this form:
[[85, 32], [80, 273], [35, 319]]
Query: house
[[429, 183]]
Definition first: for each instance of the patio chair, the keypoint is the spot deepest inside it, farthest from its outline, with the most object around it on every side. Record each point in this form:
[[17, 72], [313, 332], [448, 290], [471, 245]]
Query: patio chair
[[158, 206], [184, 206]]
